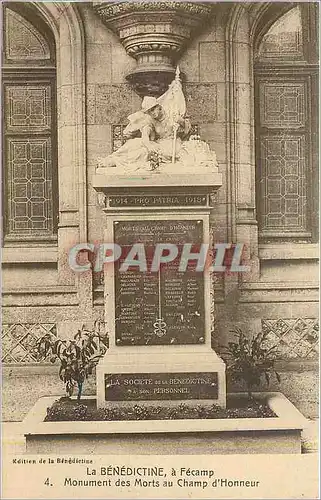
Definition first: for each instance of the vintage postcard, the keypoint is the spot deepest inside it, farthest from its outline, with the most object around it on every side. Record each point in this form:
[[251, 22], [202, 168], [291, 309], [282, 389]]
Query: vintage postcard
[[160, 249]]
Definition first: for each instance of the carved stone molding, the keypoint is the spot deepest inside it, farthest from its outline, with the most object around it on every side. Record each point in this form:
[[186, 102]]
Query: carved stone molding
[[155, 34]]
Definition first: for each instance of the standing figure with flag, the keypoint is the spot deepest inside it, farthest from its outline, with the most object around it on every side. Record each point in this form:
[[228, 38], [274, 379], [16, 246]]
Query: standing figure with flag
[[174, 108]]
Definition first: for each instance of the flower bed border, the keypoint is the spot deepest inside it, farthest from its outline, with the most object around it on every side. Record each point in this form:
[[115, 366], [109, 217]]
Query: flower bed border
[[191, 436]]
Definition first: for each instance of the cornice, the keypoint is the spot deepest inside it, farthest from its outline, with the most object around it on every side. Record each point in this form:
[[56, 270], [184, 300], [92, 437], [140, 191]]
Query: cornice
[[111, 9]]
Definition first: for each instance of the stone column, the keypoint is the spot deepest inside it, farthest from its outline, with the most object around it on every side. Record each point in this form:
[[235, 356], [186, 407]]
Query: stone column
[[242, 141]]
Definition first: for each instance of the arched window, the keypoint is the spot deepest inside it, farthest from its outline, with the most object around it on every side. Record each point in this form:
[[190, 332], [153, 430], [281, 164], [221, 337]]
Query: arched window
[[29, 118], [286, 126]]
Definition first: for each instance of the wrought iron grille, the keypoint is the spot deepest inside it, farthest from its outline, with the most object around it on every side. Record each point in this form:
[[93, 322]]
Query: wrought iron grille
[[293, 338], [20, 339]]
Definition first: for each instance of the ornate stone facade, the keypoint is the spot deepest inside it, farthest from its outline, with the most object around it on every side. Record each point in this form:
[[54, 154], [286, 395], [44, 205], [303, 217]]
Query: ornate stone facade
[[217, 48], [154, 33]]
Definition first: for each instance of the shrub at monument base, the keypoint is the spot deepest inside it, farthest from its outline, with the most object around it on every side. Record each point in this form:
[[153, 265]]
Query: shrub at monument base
[[248, 360], [78, 357]]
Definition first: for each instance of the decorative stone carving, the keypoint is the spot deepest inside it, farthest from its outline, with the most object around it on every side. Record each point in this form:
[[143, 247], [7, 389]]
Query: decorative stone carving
[[19, 341], [293, 338], [101, 199], [159, 140], [154, 33]]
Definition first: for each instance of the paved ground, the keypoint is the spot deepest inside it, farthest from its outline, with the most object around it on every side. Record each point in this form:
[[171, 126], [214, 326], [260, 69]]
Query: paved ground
[[310, 437], [12, 438]]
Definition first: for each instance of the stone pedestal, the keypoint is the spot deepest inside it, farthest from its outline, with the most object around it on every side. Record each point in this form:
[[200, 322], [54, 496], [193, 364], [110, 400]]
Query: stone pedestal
[[158, 321]]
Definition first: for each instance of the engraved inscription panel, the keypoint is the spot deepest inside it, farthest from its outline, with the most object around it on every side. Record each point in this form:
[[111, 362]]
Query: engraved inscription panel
[[158, 200], [165, 306], [161, 386]]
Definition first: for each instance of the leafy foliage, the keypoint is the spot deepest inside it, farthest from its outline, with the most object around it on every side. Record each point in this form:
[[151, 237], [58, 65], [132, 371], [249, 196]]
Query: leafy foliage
[[154, 159], [248, 360], [77, 357], [68, 410]]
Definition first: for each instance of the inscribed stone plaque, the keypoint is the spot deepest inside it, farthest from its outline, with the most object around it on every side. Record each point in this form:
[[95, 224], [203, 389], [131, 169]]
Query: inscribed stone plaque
[[163, 307], [158, 200], [160, 386]]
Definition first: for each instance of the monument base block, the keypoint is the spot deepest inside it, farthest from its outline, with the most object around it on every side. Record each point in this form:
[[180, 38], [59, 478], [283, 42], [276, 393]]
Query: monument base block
[[161, 377], [159, 318]]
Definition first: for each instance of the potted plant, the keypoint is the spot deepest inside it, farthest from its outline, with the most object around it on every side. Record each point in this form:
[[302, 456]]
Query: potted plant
[[248, 360], [77, 357]]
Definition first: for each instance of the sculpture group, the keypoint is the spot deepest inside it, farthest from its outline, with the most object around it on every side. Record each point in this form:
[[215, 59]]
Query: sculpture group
[[158, 138]]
